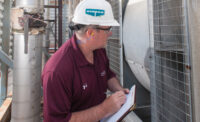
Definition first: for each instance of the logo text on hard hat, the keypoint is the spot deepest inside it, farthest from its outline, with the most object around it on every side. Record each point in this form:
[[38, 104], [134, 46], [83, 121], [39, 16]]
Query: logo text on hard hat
[[95, 12]]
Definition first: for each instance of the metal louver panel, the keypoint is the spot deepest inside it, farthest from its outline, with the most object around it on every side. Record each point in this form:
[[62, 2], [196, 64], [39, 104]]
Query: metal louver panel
[[114, 46], [170, 65]]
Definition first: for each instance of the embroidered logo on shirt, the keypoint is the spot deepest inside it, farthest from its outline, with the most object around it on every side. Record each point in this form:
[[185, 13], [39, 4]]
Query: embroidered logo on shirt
[[103, 73], [84, 86]]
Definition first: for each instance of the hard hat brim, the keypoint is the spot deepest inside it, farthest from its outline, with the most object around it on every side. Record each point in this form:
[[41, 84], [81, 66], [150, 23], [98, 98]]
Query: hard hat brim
[[108, 23], [113, 23]]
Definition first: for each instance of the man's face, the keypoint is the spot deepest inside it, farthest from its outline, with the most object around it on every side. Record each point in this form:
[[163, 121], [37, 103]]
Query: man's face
[[101, 35]]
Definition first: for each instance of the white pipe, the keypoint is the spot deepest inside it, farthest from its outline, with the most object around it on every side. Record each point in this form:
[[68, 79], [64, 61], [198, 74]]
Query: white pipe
[[27, 82]]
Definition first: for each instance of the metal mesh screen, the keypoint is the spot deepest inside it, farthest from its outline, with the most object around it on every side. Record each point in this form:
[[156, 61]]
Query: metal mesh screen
[[114, 46], [170, 66]]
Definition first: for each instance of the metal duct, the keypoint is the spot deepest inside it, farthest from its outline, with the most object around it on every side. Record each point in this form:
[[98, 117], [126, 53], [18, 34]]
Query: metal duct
[[27, 82]]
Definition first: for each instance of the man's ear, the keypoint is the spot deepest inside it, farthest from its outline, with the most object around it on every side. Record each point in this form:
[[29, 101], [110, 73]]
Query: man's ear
[[89, 32]]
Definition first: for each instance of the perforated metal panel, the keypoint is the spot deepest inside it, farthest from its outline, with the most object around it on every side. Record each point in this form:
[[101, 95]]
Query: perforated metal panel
[[170, 64], [114, 46]]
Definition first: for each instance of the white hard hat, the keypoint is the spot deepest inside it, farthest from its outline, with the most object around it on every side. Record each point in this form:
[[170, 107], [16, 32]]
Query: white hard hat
[[94, 12]]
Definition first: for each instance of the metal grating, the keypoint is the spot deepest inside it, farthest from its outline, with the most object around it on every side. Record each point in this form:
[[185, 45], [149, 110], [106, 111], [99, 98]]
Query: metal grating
[[170, 65], [114, 46]]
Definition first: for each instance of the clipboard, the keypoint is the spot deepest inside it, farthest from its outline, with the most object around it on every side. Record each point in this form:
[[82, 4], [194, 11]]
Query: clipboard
[[128, 106], [125, 114]]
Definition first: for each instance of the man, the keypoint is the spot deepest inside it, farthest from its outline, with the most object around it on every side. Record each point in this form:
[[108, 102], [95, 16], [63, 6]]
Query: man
[[77, 76]]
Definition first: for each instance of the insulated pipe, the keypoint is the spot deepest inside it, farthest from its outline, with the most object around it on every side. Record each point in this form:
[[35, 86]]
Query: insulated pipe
[[136, 40], [26, 80]]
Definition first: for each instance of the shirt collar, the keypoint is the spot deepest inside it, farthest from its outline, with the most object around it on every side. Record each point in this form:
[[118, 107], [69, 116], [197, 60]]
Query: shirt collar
[[78, 55]]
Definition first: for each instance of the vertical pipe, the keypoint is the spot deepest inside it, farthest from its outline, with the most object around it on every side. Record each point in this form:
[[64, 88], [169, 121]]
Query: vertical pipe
[[120, 37], [55, 26], [46, 41], [26, 76], [60, 23], [27, 71], [70, 10]]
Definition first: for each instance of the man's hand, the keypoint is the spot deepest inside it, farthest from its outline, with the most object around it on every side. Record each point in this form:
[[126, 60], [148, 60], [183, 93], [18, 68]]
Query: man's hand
[[114, 102]]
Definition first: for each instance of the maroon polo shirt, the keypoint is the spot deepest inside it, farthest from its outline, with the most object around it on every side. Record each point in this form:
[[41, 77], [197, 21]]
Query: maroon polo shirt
[[71, 83]]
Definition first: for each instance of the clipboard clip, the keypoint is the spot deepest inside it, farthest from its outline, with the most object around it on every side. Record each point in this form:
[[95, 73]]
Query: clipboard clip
[[132, 108]]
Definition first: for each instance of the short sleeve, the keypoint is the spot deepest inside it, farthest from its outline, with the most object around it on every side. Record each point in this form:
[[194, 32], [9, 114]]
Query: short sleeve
[[57, 98]]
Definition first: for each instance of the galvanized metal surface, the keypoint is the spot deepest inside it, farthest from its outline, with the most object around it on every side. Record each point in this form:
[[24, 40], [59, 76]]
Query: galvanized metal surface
[[194, 32], [114, 46], [170, 66], [27, 82]]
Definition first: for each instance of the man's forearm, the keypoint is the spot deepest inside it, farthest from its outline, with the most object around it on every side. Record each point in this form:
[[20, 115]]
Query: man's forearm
[[114, 85], [93, 114]]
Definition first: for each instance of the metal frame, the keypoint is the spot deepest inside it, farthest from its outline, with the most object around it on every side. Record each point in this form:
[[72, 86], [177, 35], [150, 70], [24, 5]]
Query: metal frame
[[194, 42], [188, 56], [6, 59], [121, 43]]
